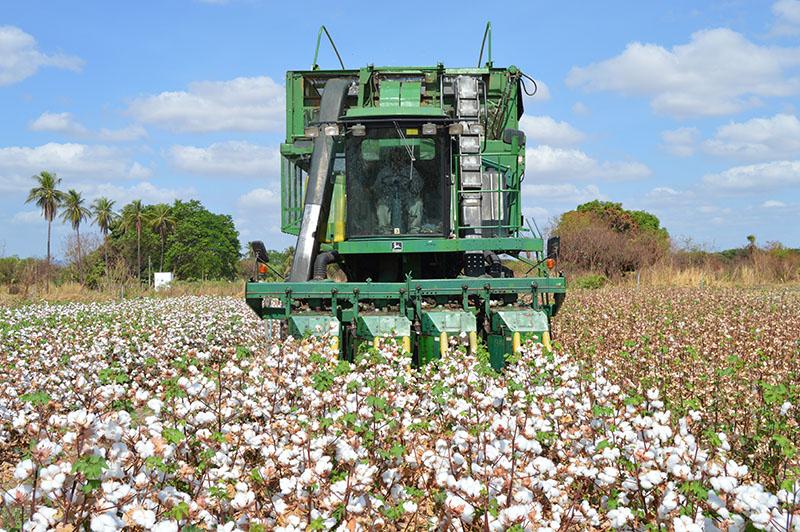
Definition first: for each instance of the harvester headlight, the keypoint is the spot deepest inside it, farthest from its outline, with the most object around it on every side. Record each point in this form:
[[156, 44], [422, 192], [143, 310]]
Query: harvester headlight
[[312, 131], [358, 130], [332, 130], [429, 128], [455, 129], [551, 263]]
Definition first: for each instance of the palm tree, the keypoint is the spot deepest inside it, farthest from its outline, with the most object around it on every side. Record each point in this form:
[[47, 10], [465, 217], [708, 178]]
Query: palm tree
[[104, 215], [75, 213], [162, 221], [47, 197], [132, 218]]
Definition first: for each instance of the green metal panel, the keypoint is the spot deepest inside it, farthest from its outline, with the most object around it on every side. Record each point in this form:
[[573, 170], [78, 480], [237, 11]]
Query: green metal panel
[[301, 325], [435, 322], [371, 326], [390, 93], [519, 320], [410, 92], [441, 244], [425, 111]]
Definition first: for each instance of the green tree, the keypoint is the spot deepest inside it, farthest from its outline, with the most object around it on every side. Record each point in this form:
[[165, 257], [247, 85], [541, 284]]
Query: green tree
[[75, 213], [161, 221], [47, 197], [104, 216], [203, 245], [132, 220]]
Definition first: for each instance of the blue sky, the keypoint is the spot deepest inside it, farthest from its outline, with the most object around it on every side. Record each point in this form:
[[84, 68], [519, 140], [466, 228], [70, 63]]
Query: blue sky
[[685, 109]]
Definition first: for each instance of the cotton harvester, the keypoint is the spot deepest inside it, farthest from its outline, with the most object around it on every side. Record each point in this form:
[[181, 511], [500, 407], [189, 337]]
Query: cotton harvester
[[409, 180]]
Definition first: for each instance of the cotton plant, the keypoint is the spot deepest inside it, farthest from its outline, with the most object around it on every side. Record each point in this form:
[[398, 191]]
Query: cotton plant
[[165, 414]]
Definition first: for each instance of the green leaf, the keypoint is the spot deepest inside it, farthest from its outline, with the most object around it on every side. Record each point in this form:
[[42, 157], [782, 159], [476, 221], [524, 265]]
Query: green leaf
[[173, 436], [36, 398], [180, 511], [91, 466]]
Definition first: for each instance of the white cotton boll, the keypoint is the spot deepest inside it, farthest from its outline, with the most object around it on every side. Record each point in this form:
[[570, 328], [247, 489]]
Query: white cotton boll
[[470, 486], [204, 418], [409, 507], [684, 523], [724, 484], [651, 479], [107, 522], [668, 503], [155, 405], [323, 465], [619, 517], [165, 526], [345, 453], [24, 469], [142, 395], [785, 407], [45, 517], [243, 499], [357, 505], [144, 518], [287, 485], [653, 394], [145, 448]]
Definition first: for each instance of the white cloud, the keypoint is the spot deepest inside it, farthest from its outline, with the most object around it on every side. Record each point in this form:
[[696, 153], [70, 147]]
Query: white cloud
[[27, 217], [66, 124], [71, 161], [563, 193], [773, 204], [681, 141], [546, 130], [548, 162], [260, 199], [718, 72], [58, 123], [581, 109], [227, 158], [20, 58], [771, 175], [777, 137], [144, 190], [787, 15], [241, 104], [664, 193], [542, 93]]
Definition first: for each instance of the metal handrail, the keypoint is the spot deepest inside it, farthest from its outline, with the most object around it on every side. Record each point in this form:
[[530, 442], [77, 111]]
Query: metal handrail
[[322, 28]]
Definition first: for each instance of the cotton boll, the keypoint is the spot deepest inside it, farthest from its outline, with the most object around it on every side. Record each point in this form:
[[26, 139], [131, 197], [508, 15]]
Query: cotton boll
[[166, 526], [108, 522]]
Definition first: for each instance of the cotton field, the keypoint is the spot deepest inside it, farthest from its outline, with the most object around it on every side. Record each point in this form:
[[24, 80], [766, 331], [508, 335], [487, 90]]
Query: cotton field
[[180, 414]]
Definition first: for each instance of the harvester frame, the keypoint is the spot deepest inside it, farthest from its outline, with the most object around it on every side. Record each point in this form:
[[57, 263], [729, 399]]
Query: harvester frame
[[425, 268]]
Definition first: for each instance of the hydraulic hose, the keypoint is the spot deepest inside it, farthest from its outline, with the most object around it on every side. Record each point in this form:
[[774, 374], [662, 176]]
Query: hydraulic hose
[[321, 264]]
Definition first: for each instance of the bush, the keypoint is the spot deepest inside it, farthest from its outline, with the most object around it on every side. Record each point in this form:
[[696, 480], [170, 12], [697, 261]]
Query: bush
[[591, 281]]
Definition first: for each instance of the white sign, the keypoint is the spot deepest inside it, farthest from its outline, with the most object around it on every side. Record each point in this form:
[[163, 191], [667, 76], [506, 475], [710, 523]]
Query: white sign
[[162, 280]]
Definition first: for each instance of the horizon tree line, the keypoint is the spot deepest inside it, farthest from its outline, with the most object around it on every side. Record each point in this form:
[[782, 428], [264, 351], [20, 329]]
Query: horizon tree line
[[47, 195]]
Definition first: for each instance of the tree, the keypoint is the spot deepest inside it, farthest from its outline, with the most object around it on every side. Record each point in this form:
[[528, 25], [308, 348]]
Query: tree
[[161, 221], [47, 197], [603, 236], [203, 245], [132, 219], [104, 215], [74, 214]]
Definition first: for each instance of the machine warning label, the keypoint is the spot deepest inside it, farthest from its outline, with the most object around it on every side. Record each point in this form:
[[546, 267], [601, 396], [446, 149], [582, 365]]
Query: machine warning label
[[397, 246]]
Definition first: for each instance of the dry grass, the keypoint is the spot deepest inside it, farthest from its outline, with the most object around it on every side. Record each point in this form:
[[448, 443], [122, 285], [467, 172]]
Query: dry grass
[[74, 292]]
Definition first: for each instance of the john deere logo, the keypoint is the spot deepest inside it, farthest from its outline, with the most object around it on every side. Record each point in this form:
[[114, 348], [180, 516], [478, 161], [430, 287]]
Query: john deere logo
[[397, 246]]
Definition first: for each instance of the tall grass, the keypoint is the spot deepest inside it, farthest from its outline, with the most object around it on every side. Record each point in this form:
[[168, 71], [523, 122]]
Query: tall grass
[[72, 291]]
